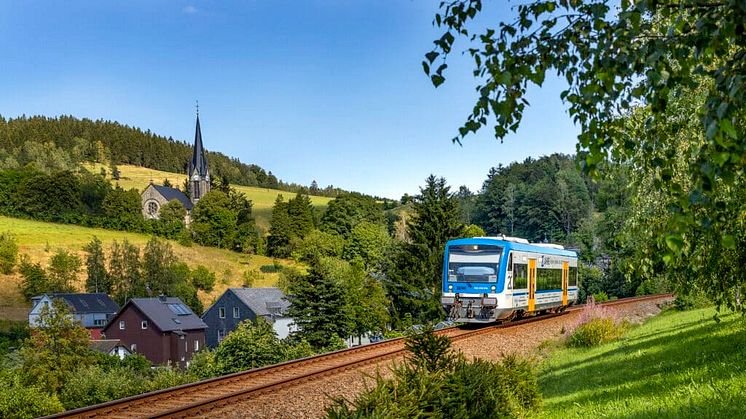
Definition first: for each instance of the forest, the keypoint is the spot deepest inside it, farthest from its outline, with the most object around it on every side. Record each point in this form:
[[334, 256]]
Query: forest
[[62, 143]]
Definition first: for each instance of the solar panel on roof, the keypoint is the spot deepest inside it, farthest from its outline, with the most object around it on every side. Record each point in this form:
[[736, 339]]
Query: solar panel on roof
[[179, 309]]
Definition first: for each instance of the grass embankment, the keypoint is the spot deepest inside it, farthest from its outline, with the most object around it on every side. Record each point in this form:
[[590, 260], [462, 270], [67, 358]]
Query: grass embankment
[[678, 364], [262, 198], [40, 240]]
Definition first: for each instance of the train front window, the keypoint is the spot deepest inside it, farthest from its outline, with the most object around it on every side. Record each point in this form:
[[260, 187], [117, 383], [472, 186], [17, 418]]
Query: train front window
[[474, 263]]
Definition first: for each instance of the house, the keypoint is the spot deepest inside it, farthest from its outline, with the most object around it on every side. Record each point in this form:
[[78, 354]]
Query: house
[[91, 310], [156, 196], [112, 347], [239, 304], [163, 329]]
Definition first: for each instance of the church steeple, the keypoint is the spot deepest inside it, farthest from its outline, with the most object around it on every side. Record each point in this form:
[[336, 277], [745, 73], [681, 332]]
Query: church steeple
[[199, 159], [199, 173]]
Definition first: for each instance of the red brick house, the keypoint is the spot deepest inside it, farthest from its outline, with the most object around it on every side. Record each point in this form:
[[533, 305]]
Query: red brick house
[[164, 330]]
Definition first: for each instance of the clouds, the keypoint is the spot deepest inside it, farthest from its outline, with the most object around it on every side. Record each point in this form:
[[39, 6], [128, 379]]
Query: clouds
[[189, 10]]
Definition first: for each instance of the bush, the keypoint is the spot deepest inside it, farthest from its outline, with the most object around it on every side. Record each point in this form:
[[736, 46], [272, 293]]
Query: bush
[[165, 377], [600, 297], [691, 301], [27, 402], [93, 385], [439, 383], [203, 278], [8, 252], [595, 332], [19, 401], [203, 365]]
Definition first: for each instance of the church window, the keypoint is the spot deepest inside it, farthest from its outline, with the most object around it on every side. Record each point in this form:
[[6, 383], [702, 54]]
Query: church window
[[152, 208]]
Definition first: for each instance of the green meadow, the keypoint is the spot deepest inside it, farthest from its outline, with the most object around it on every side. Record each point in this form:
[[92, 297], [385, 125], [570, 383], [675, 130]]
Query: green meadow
[[39, 240], [676, 365]]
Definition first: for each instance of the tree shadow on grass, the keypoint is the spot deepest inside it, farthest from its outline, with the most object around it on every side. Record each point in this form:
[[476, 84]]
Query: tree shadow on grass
[[648, 341], [664, 366]]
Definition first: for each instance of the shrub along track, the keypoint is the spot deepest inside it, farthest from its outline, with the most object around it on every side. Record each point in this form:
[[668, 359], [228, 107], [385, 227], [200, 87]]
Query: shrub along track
[[204, 396]]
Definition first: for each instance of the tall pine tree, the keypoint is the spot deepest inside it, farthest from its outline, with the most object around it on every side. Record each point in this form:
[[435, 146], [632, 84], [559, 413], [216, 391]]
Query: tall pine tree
[[414, 277]]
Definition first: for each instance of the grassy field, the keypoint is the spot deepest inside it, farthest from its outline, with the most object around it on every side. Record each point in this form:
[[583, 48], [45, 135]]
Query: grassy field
[[678, 364], [40, 240], [262, 198]]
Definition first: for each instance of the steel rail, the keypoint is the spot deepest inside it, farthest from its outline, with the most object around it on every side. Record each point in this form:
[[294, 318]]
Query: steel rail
[[342, 360]]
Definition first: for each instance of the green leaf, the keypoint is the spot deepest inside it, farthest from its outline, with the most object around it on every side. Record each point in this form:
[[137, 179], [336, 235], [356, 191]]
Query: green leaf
[[437, 80], [431, 56], [674, 242], [728, 241], [726, 126]]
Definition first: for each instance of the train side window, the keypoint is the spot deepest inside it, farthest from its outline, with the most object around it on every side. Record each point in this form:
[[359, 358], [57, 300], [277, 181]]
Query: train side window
[[520, 276], [572, 279]]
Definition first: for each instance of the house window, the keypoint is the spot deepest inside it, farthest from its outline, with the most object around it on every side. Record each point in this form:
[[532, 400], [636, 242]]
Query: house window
[[99, 322], [144, 324], [221, 335], [236, 312], [133, 347], [221, 312], [196, 345], [121, 324]]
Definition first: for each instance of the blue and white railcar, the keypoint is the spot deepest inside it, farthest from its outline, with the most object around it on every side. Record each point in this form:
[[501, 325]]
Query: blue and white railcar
[[486, 279]]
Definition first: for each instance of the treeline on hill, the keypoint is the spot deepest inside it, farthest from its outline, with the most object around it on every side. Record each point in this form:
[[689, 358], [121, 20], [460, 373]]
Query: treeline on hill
[[61, 144]]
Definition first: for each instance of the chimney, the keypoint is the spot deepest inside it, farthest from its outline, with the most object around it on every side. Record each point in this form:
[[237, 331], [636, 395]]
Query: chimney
[[162, 298]]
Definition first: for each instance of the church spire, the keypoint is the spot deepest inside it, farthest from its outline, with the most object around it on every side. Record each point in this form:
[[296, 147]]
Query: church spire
[[199, 174], [199, 159]]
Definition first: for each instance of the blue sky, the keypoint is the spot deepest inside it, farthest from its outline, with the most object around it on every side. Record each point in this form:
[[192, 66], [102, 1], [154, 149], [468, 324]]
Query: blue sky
[[327, 90]]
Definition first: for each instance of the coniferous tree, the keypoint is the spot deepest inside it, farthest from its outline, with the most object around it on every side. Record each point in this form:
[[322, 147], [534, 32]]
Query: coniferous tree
[[97, 279], [319, 308], [413, 278], [301, 214], [280, 230]]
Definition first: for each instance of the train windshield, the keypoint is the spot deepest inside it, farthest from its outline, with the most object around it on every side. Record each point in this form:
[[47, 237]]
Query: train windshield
[[474, 263]]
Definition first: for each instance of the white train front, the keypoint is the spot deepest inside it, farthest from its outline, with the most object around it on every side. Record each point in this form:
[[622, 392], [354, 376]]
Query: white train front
[[486, 279]]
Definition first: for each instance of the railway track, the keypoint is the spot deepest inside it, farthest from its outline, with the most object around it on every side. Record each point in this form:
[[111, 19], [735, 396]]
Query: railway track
[[204, 396]]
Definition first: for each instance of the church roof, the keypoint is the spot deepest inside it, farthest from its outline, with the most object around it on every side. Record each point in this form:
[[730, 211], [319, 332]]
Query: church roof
[[172, 193], [199, 158]]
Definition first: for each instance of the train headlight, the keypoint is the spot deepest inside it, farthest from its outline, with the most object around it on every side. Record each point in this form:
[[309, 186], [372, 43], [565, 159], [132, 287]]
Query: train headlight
[[493, 288], [450, 287]]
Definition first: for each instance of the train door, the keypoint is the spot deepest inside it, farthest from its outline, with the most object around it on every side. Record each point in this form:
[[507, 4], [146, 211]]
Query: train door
[[531, 284], [565, 276]]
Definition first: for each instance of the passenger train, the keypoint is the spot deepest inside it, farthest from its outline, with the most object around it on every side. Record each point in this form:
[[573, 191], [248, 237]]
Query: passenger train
[[486, 279]]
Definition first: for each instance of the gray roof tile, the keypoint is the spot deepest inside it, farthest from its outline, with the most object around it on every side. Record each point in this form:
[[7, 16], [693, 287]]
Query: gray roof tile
[[169, 314], [172, 193], [88, 303], [263, 301]]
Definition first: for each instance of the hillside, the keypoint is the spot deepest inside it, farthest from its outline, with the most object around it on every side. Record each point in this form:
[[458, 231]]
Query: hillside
[[39, 240], [262, 198], [678, 364]]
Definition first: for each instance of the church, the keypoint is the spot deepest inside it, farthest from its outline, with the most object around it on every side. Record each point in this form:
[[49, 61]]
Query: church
[[155, 196]]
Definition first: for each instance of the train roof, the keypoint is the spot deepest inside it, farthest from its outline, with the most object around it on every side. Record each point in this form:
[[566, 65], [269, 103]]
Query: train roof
[[515, 245]]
